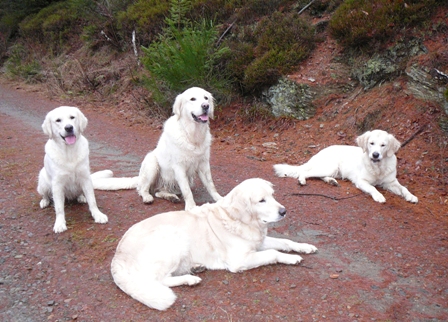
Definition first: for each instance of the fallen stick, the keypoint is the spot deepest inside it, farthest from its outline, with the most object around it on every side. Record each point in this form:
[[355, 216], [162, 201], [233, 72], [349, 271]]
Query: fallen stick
[[413, 135], [304, 8], [325, 196]]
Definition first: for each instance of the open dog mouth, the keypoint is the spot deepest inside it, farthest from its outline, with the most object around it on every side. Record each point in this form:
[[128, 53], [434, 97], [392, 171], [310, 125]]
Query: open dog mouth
[[201, 118], [69, 139]]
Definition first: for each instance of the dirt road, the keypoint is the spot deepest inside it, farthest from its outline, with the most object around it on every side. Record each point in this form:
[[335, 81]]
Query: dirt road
[[376, 262]]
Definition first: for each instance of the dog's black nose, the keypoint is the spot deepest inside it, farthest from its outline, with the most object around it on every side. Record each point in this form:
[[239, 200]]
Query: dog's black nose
[[205, 107], [375, 155], [68, 128], [282, 212]]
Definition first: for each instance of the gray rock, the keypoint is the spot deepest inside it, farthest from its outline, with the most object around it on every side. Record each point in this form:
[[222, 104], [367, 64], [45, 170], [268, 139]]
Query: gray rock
[[288, 98], [383, 67]]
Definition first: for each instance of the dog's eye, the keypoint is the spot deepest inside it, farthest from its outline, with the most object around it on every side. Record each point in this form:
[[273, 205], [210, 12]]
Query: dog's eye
[[262, 200], [371, 143], [206, 98], [72, 117], [193, 99], [58, 120], [383, 145]]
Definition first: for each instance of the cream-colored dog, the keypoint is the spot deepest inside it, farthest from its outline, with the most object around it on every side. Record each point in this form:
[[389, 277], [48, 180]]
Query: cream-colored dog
[[182, 153], [371, 164], [66, 171], [163, 251]]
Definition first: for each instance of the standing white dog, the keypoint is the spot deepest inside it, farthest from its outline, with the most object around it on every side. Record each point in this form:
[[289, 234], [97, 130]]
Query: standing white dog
[[183, 151], [162, 251], [66, 171], [371, 164]]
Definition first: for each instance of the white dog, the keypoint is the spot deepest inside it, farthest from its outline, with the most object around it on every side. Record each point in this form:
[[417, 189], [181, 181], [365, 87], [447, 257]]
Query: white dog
[[183, 151], [371, 164], [163, 251], [66, 171]]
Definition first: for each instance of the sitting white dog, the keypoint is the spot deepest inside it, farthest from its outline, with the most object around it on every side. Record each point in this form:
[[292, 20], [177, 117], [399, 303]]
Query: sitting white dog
[[66, 171], [164, 250], [182, 153], [371, 164]]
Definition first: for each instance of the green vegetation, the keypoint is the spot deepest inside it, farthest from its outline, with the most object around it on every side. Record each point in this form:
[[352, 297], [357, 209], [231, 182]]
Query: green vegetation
[[364, 23], [185, 55], [16, 66], [230, 47], [278, 43]]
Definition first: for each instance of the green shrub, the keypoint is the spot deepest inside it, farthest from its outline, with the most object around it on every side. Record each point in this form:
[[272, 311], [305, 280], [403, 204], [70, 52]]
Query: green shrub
[[52, 26], [280, 41], [358, 23], [182, 58], [146, 17], [19, 66]]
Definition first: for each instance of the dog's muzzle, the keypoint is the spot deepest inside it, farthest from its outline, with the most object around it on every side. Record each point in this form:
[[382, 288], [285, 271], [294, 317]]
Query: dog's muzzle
[[375, 157], [70, 137], [203, 118]]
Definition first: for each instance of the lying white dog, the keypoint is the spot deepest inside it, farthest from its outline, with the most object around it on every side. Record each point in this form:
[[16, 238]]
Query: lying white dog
[[66, 171], [371, 164], [162, 251], [183, 151]]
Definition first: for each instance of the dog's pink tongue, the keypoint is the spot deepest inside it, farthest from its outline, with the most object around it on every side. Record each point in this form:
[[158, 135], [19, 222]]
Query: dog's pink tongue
[[203, 117], [70, 139]]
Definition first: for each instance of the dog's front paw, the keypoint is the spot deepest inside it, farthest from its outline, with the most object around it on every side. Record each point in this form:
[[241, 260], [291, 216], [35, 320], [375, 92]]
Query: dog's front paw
[[99, 217], [378, 197], [305, 248], [44, 203], [192, 280], [189, 205], [148, 199], [289, 259], [412, 198], [59, 226]]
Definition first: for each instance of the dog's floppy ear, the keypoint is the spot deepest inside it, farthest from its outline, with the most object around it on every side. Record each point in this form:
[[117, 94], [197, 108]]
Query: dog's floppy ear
[[177, 106], [211, 103], [362, 141], [82, 121], [394, 145], [46, 126]]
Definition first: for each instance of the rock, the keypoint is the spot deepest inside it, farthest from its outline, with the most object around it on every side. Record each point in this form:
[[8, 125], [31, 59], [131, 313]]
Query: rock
[[289, 98], [383, 67], [425, 86]]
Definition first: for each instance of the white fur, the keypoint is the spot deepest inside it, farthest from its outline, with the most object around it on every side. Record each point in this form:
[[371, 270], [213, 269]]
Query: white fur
[[66, 171], [183, 151], [371, 164], [163, 251]]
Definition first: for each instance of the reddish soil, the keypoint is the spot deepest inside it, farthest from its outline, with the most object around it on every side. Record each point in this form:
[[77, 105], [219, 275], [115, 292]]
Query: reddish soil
[[376, 262]]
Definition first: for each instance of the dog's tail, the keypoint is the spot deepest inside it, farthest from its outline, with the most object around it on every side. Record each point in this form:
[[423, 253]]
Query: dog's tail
[[109, 183], [286, 170], [102, 174], [142, 288]]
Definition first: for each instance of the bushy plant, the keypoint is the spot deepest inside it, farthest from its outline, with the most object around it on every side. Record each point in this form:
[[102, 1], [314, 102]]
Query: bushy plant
[[359, 23], [280, 41], [19, 65], [146, 17], [52, 25], [185, 55]]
